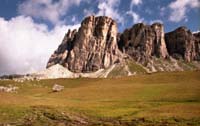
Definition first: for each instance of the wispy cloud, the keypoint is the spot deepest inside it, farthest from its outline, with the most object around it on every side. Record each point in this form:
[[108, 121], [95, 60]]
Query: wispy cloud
[[135, 17], [88, 12], [110, 8], [135, 2], [156, 21], [49, 10], [179, 9]]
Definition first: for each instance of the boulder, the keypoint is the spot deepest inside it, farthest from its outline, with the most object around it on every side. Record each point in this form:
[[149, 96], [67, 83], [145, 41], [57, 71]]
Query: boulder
[[57, 88], [9, 89]]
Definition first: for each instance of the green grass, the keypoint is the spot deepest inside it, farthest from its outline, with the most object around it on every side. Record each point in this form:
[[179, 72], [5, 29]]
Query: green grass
[[121, 71], [186, 65], [165, 96], [136, 67], [118, 71]]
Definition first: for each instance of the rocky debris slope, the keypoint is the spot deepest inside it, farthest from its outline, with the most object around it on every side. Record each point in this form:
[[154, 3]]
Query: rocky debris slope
[[181, 44], [58, 71], [55, 71], [143, 41], [92, 47], [9, 89]]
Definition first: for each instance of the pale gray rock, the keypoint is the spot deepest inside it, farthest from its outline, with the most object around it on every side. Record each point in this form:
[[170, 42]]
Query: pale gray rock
[[57, 88], [9, 89]]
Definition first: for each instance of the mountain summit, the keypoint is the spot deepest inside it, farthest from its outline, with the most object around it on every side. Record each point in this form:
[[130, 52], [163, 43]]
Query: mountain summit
[[92, 47], [98, 45]]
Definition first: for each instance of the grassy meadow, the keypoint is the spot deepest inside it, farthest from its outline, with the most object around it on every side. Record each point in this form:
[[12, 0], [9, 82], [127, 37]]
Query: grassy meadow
[[168, 98]]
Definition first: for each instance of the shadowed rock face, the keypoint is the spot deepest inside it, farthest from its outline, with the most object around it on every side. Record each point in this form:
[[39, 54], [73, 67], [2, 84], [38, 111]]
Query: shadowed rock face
[[143, 41], [60, 55], [93, 47], [197, 45], [181, 43]]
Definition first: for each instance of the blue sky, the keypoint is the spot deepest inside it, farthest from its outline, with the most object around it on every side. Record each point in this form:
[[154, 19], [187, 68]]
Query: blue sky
[[30, 30], [74, 12]]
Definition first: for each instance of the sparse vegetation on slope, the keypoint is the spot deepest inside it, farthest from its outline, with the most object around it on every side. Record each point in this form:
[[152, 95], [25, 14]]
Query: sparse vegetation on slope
[[136, 68], [153, 99], [118, 71]]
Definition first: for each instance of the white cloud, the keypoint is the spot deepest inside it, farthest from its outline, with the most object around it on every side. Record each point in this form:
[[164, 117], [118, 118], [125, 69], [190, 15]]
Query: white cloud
[[136, 2], [156, 21], [148, 11], [88, 12], [180, 7], [162, 11], [196, 31], [74, 19], [47, 9], [136, 18], [26, 45], [109, 8]]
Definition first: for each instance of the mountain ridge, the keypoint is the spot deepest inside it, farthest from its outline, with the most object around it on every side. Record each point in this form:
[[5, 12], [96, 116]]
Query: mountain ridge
[[98, 45]]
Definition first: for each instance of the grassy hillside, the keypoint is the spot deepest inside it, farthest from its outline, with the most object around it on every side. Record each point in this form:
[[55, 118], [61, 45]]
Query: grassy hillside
[[153, 99]]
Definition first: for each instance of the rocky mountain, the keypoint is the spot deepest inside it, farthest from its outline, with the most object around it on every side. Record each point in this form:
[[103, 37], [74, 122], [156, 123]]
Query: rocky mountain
[[181, 43], [92, 47], [143, 41], [97, 45], [197, 45]]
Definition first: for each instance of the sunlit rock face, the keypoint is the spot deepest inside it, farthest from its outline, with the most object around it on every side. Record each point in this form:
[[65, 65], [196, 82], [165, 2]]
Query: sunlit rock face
[[92, 47]]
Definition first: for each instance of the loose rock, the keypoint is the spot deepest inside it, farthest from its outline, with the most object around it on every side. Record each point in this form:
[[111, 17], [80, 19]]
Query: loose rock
[[57, 88], [9, 89]]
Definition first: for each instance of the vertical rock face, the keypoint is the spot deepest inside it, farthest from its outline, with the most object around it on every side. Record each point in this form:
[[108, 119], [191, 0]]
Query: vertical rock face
[[197, 45], [143, 41], [60, 55], [93, 47], [181, 43]]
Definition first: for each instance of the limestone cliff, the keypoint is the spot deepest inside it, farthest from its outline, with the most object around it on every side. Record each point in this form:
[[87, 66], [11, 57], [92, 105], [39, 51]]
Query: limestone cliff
[[143, 41], [98, 46], [181, 44], [92, 47]]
